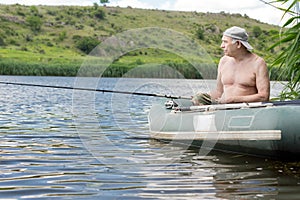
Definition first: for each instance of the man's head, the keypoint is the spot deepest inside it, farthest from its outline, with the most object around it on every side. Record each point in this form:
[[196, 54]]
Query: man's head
[[238, 34]]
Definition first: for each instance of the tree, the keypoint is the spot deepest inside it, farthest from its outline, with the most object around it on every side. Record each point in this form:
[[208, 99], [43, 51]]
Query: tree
[[104, 2], [95, 6], [289, 59]]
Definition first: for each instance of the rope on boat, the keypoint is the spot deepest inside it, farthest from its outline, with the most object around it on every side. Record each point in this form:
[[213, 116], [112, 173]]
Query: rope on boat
[[96, 90]]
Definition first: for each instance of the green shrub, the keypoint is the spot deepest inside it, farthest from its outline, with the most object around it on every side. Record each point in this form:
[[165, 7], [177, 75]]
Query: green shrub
[[34, 22], [257, 31], [200, 33], [49, 44], [62, 36], [99, 14], [2, 43], [86, 44]]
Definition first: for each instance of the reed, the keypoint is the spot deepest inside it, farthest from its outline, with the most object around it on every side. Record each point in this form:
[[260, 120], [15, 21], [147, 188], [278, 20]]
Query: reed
[[288, 61]]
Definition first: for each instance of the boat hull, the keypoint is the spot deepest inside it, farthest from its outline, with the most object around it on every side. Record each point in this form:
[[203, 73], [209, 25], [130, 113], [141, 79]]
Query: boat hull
[[262, 131]]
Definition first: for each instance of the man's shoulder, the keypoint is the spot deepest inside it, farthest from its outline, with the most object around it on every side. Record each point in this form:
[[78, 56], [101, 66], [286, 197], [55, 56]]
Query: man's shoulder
[[259, 60], [225, 58]]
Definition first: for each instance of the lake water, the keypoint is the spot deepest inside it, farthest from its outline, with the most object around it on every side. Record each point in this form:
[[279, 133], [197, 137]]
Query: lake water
[[67, 144]]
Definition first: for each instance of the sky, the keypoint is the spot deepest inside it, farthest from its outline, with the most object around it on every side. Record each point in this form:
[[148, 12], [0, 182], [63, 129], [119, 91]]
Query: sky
[[253, 8]]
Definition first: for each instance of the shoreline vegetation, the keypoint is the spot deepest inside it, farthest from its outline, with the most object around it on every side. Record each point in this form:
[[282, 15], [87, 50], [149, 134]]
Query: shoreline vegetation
[[56, 40]]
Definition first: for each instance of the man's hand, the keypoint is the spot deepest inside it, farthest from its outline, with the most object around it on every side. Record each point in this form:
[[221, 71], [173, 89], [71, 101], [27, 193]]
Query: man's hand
[[202, 99]]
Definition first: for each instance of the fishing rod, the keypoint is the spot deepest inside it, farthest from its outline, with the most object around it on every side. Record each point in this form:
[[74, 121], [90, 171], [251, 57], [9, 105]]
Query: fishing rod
[[96, 90]]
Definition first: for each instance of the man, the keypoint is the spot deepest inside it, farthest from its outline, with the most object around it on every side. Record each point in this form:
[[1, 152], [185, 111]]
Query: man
[[242, 75]]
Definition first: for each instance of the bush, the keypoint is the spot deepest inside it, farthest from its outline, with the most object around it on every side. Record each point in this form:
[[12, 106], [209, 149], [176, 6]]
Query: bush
[[99, 14], [34, 22], [49, 44], [2, 43], [86, 44], [200, 33], [257, 31], [62, 36]]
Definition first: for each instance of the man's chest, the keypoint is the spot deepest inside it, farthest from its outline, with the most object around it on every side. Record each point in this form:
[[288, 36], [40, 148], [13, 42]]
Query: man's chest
[[241, 75]]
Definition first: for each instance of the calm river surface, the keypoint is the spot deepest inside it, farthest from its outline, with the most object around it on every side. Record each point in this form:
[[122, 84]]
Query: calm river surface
[[67, 144]]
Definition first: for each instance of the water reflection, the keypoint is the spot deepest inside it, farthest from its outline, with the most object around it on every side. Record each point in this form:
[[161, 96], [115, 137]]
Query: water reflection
[[221, 176]]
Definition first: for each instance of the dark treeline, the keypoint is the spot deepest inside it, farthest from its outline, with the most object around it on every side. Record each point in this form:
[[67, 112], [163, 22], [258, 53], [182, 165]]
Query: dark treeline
[[29, 69], [165, 70]]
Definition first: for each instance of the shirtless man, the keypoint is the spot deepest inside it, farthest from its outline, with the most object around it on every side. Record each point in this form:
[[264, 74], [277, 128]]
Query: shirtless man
[[242, 75]]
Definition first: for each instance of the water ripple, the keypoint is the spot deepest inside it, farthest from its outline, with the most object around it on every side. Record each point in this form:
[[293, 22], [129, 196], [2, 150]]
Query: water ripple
[[49, 151]]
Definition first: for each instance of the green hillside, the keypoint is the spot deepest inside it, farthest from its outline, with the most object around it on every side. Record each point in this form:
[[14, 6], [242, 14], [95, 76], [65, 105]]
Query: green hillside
[[54, 40]]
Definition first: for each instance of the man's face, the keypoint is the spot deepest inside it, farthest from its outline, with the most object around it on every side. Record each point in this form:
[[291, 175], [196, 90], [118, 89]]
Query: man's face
[[227, 45]]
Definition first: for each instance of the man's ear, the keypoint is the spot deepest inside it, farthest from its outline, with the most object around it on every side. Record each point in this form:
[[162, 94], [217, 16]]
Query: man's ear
[[239, 44]]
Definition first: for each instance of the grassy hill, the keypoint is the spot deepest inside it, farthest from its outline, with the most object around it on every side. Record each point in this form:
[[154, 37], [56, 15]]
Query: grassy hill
[[54, 40]]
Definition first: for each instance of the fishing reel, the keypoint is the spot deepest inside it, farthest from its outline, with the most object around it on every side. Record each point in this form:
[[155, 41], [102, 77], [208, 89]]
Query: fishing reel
[[178, 103], [171, 104]]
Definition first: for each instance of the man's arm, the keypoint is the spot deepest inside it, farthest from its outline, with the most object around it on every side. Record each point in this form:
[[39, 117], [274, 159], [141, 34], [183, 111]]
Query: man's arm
[[217, 93]]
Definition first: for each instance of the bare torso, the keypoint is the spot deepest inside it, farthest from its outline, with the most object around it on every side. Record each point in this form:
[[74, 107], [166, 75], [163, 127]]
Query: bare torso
[[243, 80], [239, 78], [242, 75]]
